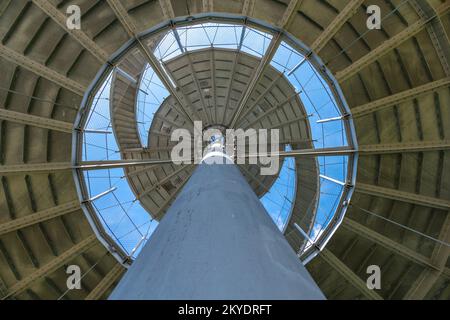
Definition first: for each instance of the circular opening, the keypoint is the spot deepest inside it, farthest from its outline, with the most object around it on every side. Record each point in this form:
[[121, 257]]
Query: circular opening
[[125, 103]]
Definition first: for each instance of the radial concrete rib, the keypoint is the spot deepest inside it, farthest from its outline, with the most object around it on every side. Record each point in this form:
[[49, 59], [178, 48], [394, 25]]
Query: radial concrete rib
[[124, 18], [166, 179], [428, 277], [289, 13], [212, 67], [334, 27], [260, 97], [3, 6], [208, 5], [52, 266], [269, 111], [36, 121], [38, 217], [272, 48], [387, 46], [316, 152], [199, 89], [349, 275], [112, 164], [41, 70], [167, 9], [131, 29], [14, 169], [247, 7], [436, 31], [404, 147], [3, 288], [77, 34], [230, 85], [403, 196], [387, 243], [113, 275], [400, 97]]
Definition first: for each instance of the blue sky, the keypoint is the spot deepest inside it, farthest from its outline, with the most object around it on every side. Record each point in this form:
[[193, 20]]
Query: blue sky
[[127, 221]]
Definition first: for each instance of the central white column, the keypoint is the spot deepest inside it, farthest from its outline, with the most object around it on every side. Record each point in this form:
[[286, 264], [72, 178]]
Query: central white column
[[217, 242]]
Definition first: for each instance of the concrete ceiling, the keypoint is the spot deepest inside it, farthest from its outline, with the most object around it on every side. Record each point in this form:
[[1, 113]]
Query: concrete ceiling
[[395, 80]]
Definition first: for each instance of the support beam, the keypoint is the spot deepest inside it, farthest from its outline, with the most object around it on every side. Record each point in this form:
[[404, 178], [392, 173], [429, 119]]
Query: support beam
[[446, 272], [36, 121], [288, 122], [212, 67], [327, 152], [339, 151], [163, 76], [113, 275], [262, 95], [341, 183], [348, 274], [52, 266], [112, 164], [3, 288], [208, 5], [230, 81], [13, 169], [247, 8], [289, 14], [436, 31], [403, 196], [41, 70], [166, 179], [386, 242], [145, 169], [336, 25], [132, 31], [78, 35], [167, 9], [197, 84], [401, 97], [387, 46], [295, 141], [122, 14], [339, 118], [265, 61], [270, 111], [164, 120], [428, 277], [3, 6], [171, 198], [282, 124], [392, 148], [100, 195], [38, 217]]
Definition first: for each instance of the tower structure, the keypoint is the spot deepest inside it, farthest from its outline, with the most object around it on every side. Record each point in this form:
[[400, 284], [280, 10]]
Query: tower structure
[[217, 241], [86, 117]]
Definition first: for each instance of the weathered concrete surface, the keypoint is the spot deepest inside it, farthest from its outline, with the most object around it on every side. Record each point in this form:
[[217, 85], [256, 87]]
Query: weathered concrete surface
[[217, 242]]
